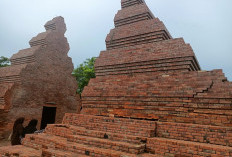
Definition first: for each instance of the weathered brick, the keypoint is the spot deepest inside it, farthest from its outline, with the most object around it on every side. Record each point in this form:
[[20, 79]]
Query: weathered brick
[[38, 76], [149, 96]]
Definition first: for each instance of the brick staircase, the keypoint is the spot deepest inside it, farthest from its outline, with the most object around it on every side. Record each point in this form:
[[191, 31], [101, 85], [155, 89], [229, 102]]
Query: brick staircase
[[86, 135], [98, 136]]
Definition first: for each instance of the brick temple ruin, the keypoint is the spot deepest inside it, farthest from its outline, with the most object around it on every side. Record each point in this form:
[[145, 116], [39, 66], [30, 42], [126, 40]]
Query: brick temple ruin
[[150, 99], [39, 80]]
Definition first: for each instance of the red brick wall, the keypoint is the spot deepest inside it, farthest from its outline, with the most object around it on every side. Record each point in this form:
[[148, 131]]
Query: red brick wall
[[167, 147], [41, 76], [172, 97], [196, 133], [164, 56], [132, 14]]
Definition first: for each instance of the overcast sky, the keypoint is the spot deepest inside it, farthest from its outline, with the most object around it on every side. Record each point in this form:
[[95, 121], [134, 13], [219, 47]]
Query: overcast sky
[[205, 24]]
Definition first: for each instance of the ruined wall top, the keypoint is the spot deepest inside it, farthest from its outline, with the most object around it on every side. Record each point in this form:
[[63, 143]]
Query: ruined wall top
[[56, 27], [56, 24], [42, 64], [128, 3]]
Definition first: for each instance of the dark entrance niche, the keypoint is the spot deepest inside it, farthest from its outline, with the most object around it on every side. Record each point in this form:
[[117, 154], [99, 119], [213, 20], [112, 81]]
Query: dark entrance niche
[[48, 116]]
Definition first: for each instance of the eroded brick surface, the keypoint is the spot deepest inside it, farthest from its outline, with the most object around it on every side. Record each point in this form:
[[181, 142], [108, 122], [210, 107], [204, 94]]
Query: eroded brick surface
[[171, 147], [19, 151], [39, 76]]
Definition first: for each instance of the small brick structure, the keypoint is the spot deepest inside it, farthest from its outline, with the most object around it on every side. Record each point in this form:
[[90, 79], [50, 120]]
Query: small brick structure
[[39, 76], [149, 99]]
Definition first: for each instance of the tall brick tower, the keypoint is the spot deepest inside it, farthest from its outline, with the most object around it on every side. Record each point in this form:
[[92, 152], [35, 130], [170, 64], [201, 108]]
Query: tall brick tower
[[149, 99], [145, 73], [39, 84]]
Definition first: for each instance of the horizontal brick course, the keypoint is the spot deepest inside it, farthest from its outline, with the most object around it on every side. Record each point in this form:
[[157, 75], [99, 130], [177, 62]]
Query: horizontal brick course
[[66, 130], [165, 54], [107, 124], [132, 14], [196, 133], [129, 3], [169, 147], [57, 153], [137, 33]]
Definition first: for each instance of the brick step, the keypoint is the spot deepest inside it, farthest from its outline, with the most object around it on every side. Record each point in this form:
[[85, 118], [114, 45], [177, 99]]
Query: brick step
[[107, 144], [142, 124], [196, 133], [19, 151], [108, 120], [46, 141], [23, 151], [64, 130], [120, 129], [58, 153], [97, 123], [171, 147], [150, 155]]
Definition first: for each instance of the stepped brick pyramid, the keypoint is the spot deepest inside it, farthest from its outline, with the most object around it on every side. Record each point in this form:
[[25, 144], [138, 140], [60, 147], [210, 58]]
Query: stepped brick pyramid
[[38, 76], [149, 99]]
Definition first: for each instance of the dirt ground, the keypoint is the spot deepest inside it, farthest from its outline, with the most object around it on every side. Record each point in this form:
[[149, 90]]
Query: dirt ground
[[4, 143]]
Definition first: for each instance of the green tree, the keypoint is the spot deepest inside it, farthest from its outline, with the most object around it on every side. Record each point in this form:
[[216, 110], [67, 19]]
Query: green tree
[[84, 72], [4, 61]]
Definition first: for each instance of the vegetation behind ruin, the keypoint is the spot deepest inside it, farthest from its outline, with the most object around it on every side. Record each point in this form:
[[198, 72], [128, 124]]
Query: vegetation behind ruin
[[4, 61], [84, 72]]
